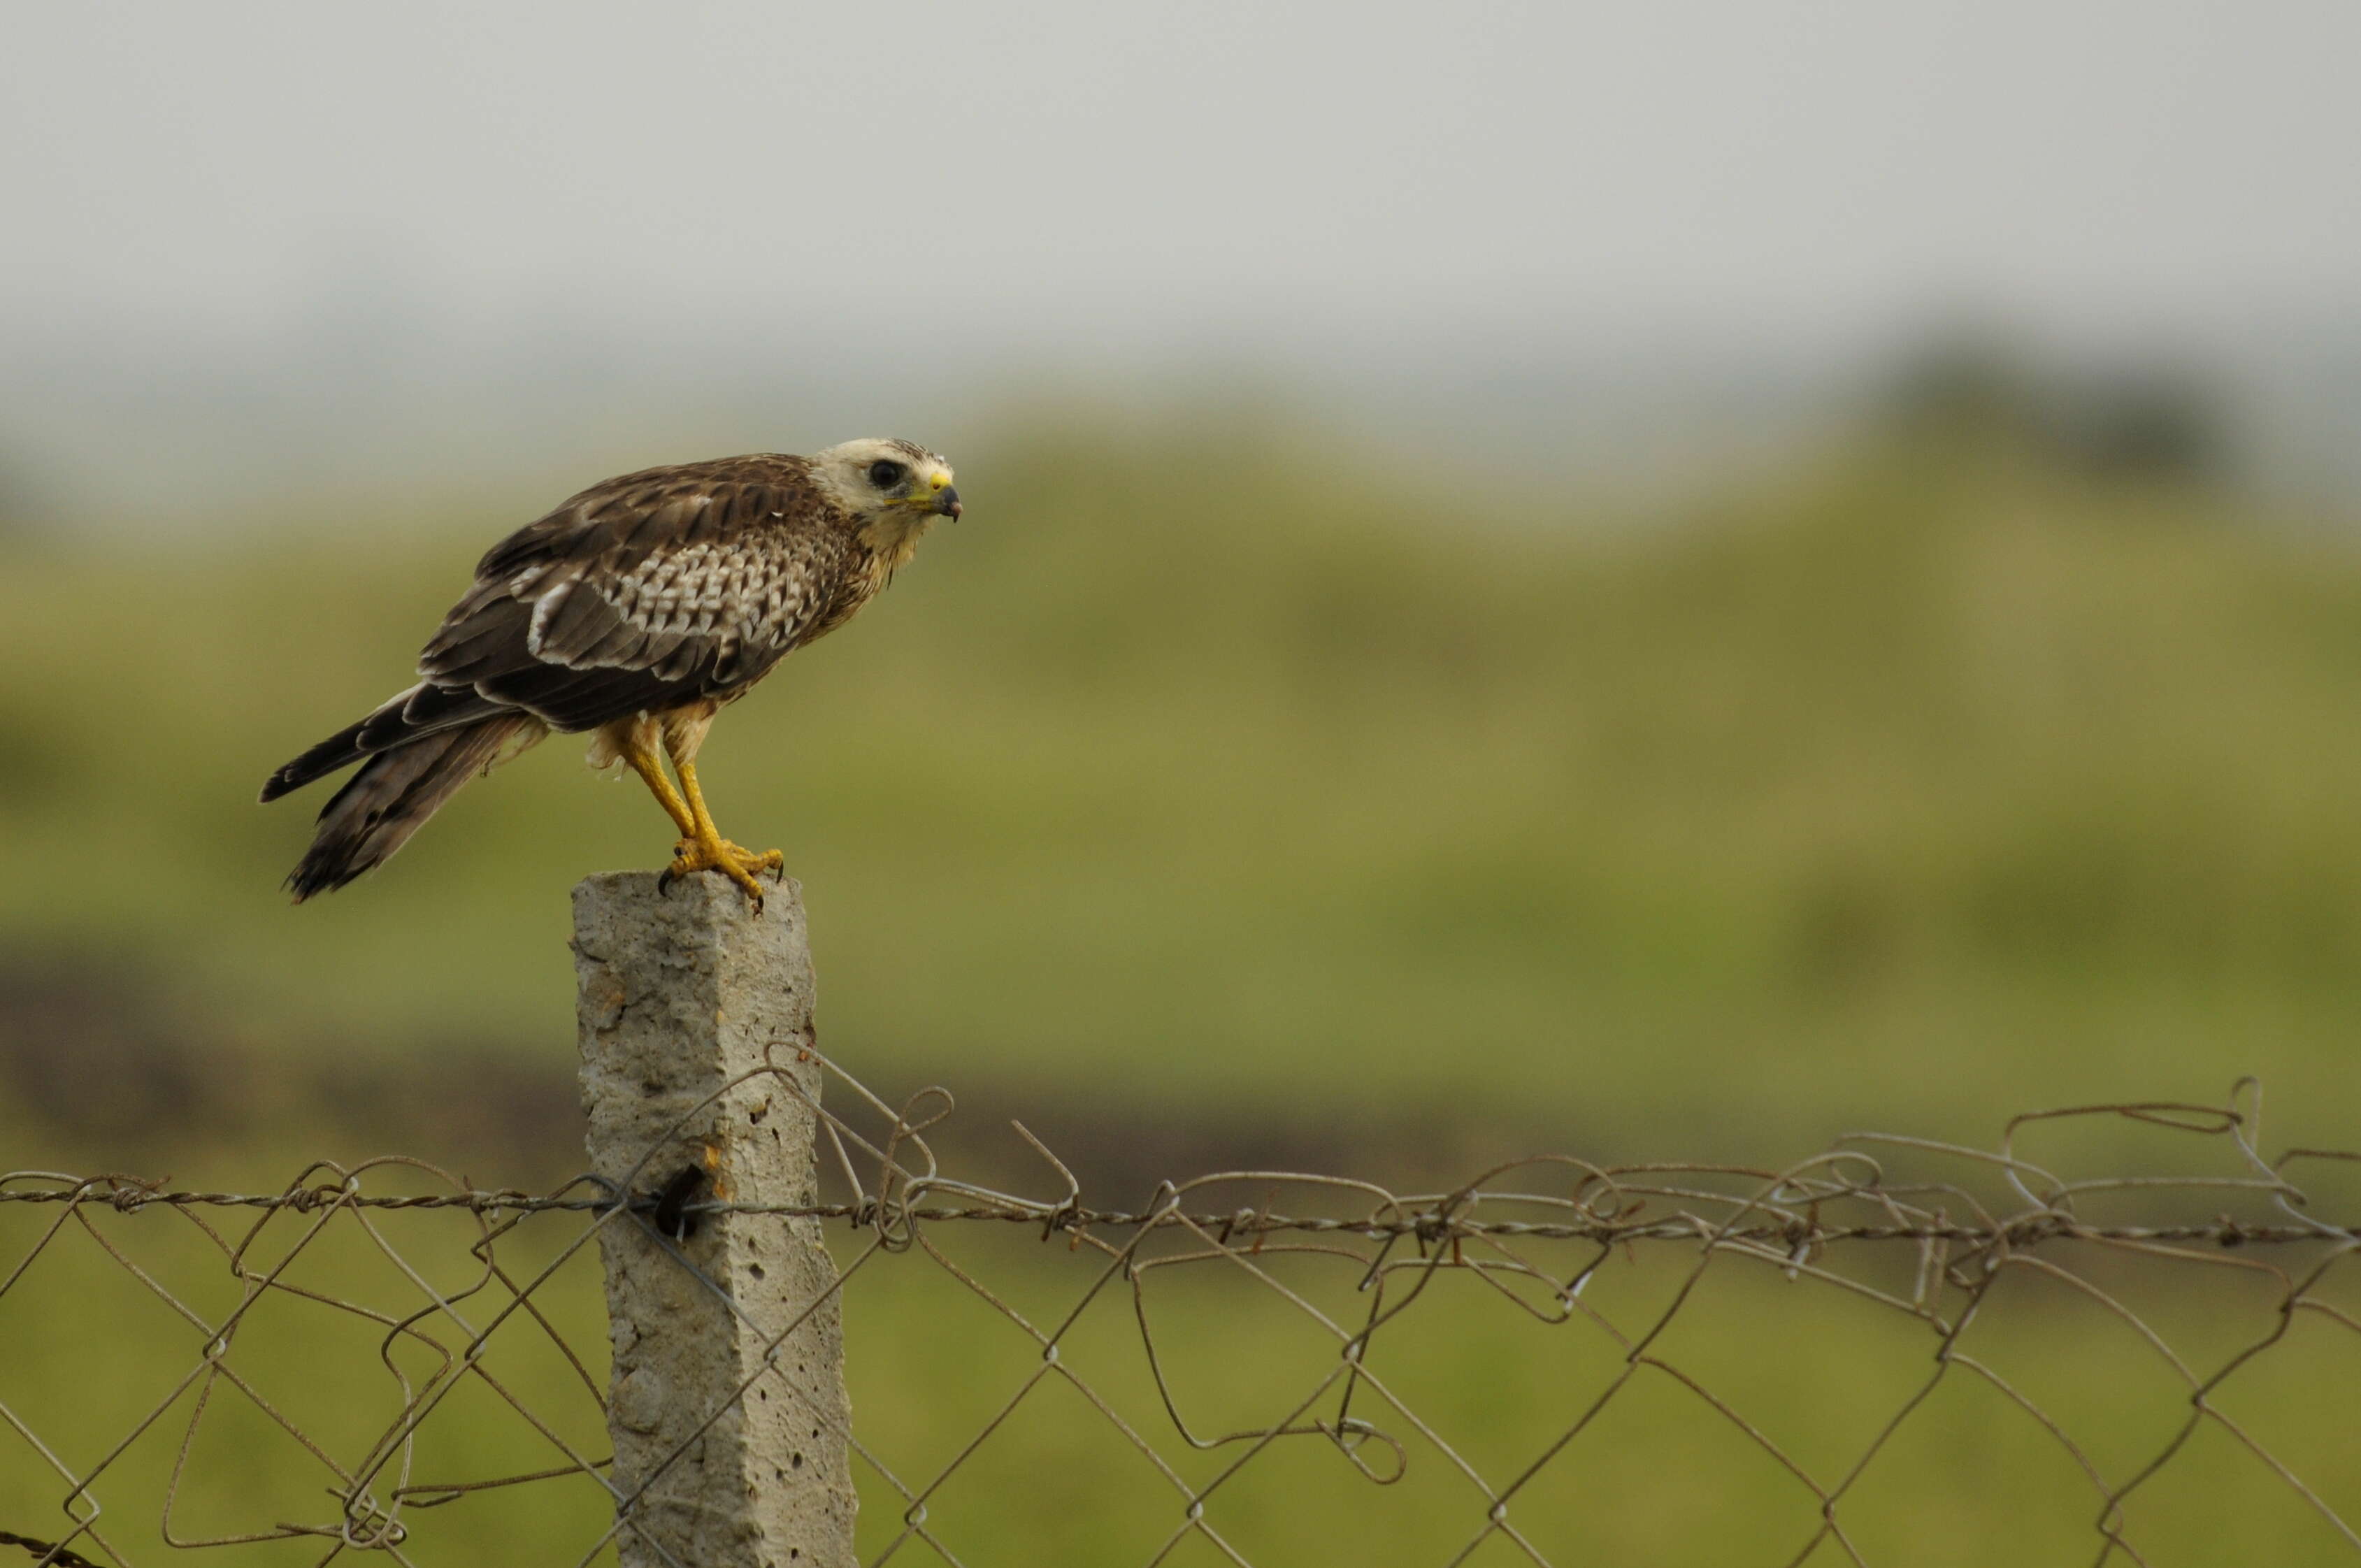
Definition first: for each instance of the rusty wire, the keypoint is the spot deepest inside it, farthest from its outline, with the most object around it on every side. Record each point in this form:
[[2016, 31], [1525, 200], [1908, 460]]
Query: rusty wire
[[1923, 1229]]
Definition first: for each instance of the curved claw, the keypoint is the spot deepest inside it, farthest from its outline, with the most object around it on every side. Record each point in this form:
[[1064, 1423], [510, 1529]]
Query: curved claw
[[739, 865]]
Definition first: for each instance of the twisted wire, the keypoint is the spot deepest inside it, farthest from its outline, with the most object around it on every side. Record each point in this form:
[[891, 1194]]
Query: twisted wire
[[522, 1279]]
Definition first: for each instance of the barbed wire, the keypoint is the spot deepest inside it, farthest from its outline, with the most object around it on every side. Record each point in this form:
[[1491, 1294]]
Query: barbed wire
[[1425, 1215], [47, 1550], [500, 1326]]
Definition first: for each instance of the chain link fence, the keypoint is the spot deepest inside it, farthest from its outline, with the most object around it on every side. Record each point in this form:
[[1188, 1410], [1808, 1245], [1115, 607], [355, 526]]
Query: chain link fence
[[1894, 1351]]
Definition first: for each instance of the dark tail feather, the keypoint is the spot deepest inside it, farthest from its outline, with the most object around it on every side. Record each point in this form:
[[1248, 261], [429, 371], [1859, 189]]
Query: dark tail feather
[[391, 797], [341, 749], [424, 709]]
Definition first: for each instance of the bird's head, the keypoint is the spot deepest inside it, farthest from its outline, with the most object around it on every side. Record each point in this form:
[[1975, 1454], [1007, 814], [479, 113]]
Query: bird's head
[[896, 485]]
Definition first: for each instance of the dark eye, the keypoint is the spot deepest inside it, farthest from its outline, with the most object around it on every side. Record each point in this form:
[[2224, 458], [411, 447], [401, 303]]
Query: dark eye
[[885, 475]]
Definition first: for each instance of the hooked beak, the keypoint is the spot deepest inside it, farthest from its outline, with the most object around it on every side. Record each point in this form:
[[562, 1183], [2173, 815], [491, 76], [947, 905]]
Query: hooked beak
[[947, 503]]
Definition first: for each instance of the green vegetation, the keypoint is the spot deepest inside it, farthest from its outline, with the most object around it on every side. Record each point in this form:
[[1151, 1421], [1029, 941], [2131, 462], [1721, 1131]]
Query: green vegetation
[[1208, 781], [1913, 791], [1658, 1477]]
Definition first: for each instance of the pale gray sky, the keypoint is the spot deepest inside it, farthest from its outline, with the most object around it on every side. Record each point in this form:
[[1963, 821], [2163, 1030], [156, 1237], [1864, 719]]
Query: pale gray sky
[[227, 161], [1041, 182]]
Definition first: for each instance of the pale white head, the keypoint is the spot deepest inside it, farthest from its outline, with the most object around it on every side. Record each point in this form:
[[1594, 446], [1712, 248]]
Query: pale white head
[[881, 481]]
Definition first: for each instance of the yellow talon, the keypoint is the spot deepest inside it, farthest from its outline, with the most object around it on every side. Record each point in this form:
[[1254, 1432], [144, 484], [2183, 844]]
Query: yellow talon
[[701, 847], [718, 854]]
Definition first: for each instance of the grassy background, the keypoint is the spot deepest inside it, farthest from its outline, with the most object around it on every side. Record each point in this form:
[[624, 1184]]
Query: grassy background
[[1210, 794], [1916, 789], [1659, 1477]]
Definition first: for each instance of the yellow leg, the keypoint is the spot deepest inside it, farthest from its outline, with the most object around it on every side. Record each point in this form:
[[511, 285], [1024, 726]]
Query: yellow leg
[[702, 848], [645, 763]]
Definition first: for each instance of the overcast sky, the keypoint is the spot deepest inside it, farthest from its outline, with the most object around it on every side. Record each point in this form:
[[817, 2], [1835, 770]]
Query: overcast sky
[[227, 162], [1070, 177]]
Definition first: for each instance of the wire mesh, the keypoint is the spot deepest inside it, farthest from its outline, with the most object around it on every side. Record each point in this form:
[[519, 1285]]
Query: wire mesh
[[1556, 1361]]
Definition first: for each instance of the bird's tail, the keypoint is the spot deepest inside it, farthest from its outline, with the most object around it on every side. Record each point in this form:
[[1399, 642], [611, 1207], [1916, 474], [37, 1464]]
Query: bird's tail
[[394, 793], [338, 752]]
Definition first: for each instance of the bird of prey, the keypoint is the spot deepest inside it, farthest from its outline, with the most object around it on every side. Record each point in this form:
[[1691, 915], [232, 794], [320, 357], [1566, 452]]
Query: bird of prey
[[636, 611]]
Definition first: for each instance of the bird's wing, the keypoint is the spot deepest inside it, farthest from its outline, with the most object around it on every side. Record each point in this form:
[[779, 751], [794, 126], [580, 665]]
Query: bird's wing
[[641, 594]]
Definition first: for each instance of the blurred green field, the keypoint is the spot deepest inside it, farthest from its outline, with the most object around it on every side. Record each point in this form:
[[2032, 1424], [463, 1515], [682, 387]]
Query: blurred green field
[[1216, 781], [1219, 779], [1465, 1377]]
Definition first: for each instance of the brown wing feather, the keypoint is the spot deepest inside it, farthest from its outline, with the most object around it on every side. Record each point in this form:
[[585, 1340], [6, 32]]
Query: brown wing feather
[[646, 592]]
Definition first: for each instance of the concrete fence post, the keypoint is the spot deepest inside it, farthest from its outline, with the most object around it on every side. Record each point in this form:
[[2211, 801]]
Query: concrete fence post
[[731, 1444]]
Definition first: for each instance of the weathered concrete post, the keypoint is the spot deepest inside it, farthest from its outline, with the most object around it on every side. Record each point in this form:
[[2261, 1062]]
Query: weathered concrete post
[[682, 992]]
